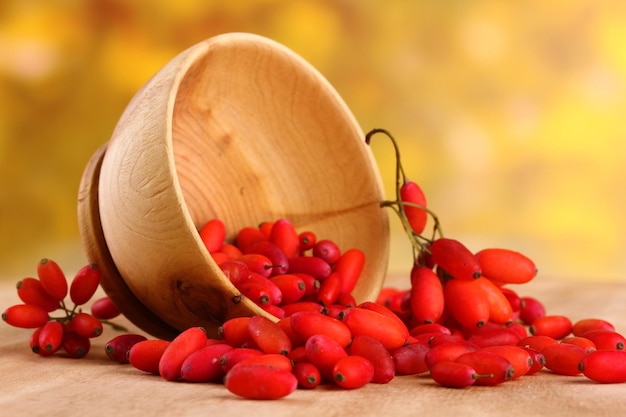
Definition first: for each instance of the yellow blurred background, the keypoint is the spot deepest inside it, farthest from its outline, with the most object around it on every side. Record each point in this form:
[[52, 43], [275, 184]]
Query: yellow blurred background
[[509, 114]]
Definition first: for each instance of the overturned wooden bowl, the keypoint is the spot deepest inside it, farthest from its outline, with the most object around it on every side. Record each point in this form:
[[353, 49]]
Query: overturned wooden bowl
[[239, 128]]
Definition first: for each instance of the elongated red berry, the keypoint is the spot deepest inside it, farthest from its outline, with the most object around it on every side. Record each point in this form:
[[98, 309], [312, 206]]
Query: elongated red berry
[[309, 323], [496, 366], [75, 346], [86, 325], [204, 365], [31, 291], [370, 348], [213, 234], [323, 351], [583, 326], [311, 265], [455, 258], [520, 358], [260, 382], [410, 359], [531, 309], [350, 265], [361, 321], [606, 339], [563, 358], [466, 302], [84, 284], [28, 316], [416, 215], [505, 265], [605, 366], [118, 348], [454, 374], [146, 355], [232, 357], [268, 335], [187, 342], [426, 296], [52, 278], [104, 309], [284, 235], [352, 372], [307, 374], [554, 326], [51, 336], [449, 351]]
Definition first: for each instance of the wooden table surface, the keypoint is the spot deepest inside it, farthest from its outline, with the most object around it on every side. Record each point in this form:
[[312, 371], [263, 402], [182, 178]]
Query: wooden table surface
[[95, 386]]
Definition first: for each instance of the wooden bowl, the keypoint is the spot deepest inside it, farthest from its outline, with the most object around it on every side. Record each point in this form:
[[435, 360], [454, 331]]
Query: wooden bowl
[[239, 128]]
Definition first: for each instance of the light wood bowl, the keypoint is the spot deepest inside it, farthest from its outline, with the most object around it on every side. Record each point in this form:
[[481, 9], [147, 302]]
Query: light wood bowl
[[240, 128]]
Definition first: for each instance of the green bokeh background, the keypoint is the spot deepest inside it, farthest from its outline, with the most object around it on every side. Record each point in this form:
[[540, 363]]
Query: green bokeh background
[[509, 114]]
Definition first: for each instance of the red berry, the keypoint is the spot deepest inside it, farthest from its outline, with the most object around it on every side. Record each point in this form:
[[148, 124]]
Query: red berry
[[75, 346], [213, 234], [146, 355], [268, 335], [31, 291], [466, 302], [606, 339], [308, 239], [86, 325], [323, 351], [410, 359], [260, 382], [554, 326], [377, 354], [29, 316], [531, 309], [605, 366], [104, 309], [187, 342], [204, 364], [284, 235], [585, 325], [307, 374], [389, 331], [52, 278], [506, 266], [84, 284], [350, 265], [232, 357], [454, 374], [563, 358], [352, 372], [51, 336], [498, 368], [309, 323], [118, 348], [327, 250], [455, 258], [426, 297], [416, 215]]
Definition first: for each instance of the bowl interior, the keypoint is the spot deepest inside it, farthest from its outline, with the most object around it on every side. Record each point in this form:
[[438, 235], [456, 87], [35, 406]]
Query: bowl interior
[[253, 134]]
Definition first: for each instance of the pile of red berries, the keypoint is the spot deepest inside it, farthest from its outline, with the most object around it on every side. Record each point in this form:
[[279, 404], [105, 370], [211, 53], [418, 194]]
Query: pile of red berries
[[460, 321], [72, 330]]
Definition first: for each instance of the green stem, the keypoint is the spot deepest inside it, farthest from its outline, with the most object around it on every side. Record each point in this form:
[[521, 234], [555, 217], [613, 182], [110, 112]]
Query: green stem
[[400, 175]]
